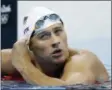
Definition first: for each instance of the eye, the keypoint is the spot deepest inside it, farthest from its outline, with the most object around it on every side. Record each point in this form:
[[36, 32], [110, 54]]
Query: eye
[[44, 36], [58, 31]]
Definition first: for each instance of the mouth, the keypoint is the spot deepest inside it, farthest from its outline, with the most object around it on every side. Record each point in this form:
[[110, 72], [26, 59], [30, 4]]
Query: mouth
[[57, 53]]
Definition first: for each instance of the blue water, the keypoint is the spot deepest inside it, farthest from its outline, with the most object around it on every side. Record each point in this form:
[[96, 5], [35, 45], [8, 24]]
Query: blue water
[[11, 85]]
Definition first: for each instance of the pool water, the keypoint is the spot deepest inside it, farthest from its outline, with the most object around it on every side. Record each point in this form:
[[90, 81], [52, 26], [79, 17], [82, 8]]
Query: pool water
[[11, 85], [20, 85]]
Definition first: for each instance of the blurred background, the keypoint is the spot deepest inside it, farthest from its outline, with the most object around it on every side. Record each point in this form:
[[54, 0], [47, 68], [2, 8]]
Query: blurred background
[[87, 23], [8, 23]]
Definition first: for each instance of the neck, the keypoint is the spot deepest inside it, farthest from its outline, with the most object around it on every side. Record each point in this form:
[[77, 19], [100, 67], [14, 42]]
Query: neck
[[49, 68]]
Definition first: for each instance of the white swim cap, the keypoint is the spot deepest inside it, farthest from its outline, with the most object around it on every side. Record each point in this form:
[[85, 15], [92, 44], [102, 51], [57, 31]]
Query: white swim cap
[[30, 23]]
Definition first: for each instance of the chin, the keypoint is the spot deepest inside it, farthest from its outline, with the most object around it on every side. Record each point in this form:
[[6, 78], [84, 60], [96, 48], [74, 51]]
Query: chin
[[60, 60]]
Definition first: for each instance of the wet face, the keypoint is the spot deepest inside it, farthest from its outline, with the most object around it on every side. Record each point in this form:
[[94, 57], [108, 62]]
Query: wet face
[[50, 44]]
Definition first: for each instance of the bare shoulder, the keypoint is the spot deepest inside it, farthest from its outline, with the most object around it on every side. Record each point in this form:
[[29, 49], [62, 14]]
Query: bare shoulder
[[81, 60], [85, 56], [88, 58], [85, 60], [5, 53]]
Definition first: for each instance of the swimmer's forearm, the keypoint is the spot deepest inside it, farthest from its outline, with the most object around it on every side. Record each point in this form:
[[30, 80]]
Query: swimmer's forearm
[[33, 76]]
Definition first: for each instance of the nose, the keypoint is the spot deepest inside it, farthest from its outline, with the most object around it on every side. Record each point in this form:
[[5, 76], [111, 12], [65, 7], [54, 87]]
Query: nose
[[55, 45], [56, 41]]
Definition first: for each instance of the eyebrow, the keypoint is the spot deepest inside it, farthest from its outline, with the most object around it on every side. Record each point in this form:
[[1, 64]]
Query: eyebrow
[[59, 27]]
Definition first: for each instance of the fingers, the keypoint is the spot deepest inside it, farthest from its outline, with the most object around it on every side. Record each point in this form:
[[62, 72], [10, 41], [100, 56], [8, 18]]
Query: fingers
[[23, 39], [20, 42]]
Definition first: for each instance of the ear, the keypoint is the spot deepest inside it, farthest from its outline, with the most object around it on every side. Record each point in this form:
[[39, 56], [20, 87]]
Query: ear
[[30, 45]]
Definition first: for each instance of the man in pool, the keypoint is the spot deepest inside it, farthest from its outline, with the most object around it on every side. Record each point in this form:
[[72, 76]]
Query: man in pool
[[43, 56]]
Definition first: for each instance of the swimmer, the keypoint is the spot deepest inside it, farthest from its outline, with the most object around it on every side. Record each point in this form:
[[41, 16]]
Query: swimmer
[[43, 57]]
